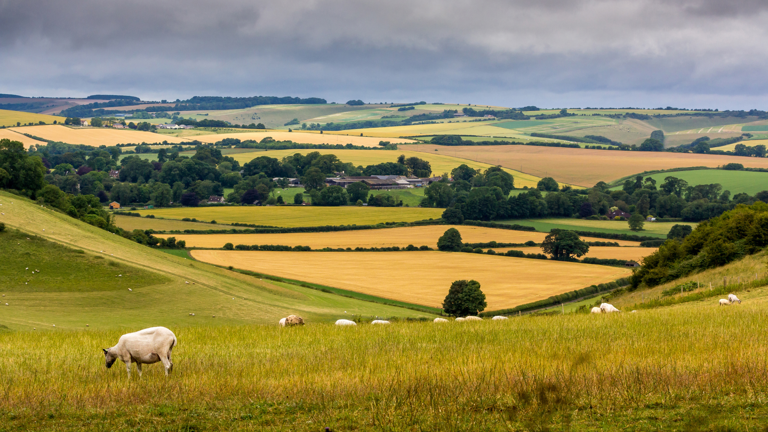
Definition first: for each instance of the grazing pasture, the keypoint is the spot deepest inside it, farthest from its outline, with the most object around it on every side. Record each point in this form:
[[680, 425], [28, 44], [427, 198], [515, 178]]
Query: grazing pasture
[[96, 136], [388, 237], [422, 277], [15, 136], [11, 118], [299, 216], [734, 181], [584, 167], [440, 163], [131, 223], [692, 367], [651, 229]]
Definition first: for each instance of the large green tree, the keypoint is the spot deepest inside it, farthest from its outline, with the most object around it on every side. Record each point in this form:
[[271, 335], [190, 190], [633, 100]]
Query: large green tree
[[636, 222], [464, 298], [563, 245], [313, 179], [358, 191]]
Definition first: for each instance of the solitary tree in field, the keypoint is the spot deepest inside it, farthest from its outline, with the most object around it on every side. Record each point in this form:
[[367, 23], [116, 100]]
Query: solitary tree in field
[[547, 184], [636, 222], [562, 245], [450, 241], [464, 298]]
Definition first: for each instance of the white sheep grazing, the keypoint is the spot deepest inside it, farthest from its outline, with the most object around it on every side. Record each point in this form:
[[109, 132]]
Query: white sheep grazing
[[379, 322], [143, 347], [440, 320], [608, 308], [499, 318], [282, 322], [724, 302], [596, 310], [460, 319], [733, 299], [472, 318], [345, 322]]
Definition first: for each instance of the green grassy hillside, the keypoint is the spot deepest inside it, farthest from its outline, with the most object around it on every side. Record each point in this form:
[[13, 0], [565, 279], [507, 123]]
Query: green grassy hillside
[[59, 295], [734, 181]]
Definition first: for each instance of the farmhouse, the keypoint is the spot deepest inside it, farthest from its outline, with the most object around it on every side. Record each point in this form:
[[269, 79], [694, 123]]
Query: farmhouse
[[118, 126], [618, 213], [114, 174], [631, 264], [213, 199], [114, 205]]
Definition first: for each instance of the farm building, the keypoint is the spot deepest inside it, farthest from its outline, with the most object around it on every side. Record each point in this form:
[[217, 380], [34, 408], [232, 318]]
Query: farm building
[[114, 174], [118, 126], [631, 264], [618, 213], [213, 199], [381, 182], [114, 205]]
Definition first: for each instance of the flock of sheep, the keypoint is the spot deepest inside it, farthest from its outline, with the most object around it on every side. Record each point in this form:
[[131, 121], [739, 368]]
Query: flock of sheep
[[293, 320]]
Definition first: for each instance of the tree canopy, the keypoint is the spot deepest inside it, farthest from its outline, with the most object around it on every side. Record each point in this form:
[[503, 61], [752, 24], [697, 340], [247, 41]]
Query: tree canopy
[[464, 298], [563, 245]]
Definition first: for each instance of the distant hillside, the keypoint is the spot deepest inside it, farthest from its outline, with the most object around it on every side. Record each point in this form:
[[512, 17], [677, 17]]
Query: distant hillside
[[112, 97]]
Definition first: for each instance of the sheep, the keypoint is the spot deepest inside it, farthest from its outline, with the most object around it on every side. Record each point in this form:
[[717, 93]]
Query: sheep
[[724, 302], [146, 346], [291, 320], [440, 320], [608, 308], [460, 319], [379, 322], [596, 310], [345, 322], [733, 299], [473, 318], [499, 318]]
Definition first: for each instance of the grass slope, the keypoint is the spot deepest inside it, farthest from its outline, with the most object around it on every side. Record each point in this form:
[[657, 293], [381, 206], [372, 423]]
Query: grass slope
[[688, 368], [233, 298], [652, 229]]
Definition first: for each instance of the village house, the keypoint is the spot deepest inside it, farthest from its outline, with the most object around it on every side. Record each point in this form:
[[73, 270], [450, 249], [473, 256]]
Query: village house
[[114, 205], [618, 213], [114, 174], [213, 199]]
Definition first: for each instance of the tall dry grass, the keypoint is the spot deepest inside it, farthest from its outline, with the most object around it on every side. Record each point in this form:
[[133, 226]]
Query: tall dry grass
[[523, 374]]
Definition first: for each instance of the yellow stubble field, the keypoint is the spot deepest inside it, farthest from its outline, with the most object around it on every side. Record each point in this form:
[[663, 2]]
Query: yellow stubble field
[[15, 136], [388, 237], [422, 277], [602, 252], [96, 136]]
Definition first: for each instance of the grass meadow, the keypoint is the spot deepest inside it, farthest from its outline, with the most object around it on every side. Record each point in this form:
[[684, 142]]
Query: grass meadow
[[734, 181], [581, 166], [299, 216], [388, 237], [683, 368], [422, 277], [650, 229]]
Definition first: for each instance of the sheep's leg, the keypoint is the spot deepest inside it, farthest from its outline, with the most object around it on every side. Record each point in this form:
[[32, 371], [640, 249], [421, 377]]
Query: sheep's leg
[[167, 363], [138, 367], [128, 368]]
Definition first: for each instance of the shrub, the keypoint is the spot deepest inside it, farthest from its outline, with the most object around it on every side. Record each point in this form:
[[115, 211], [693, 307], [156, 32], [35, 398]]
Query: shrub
[[229, 246], [298, 198], [450, 240]]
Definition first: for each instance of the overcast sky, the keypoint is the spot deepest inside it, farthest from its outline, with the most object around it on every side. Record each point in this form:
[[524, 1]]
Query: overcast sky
[[554, 53]]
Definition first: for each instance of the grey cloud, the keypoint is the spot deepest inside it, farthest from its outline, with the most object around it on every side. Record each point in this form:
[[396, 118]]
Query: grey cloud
[[496, 50]]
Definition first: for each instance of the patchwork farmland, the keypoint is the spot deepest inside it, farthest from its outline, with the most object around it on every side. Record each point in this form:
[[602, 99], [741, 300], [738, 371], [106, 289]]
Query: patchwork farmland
[[12, 118], [389, 237], [422, 277], [95, 136]]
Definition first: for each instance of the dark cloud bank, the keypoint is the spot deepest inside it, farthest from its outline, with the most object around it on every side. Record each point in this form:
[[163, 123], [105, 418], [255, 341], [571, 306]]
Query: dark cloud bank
[[708, 53]]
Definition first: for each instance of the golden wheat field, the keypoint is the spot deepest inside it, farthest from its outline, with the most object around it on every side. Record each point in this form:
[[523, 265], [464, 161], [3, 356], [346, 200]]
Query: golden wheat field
[[422, 277], [602, 252], [440, 163], [14, 136], [585, 167], [299, 216], [302, 138], [96, 136], [389, 237], [751, 143], [11, 118]]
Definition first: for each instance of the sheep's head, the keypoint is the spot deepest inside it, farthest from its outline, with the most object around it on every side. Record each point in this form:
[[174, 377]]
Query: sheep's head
[[109, 357]]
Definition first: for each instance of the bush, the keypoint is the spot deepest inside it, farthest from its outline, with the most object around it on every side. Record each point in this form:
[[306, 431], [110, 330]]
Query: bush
[[229, 246], [298, 198]]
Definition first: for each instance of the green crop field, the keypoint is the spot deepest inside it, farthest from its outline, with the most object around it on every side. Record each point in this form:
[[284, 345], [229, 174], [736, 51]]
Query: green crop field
[[652, 229], [755, 128], [734, 181], [131, 223]]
